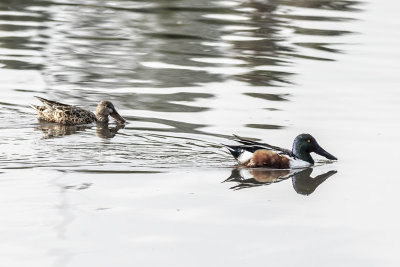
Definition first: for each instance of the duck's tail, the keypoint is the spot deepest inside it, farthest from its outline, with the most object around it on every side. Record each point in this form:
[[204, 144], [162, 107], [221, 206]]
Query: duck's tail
[[241, 153], [50, 103], [236, 151], [37, 108]]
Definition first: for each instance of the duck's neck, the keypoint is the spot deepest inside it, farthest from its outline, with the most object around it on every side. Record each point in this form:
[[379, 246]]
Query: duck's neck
[[299, 151], [101, 117], [101, 114]]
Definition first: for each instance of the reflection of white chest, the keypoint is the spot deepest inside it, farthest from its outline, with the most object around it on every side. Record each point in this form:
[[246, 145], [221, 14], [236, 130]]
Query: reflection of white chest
[[298, 163]]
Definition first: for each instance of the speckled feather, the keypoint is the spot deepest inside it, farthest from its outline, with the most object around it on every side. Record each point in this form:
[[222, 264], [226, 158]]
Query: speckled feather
[[53, 111]]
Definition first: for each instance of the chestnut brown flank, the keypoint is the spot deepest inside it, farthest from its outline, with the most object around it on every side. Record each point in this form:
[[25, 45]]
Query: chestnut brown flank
[[268, 158]]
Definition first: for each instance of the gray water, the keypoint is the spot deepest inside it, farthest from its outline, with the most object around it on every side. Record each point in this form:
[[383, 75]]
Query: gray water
[[187, 75]]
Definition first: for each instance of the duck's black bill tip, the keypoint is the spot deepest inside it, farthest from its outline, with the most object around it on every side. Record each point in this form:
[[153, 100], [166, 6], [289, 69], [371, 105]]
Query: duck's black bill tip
[[322, 152]]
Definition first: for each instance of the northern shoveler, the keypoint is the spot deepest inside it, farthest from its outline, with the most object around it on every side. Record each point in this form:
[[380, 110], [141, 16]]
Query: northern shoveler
[[253, 154], [53, 111]]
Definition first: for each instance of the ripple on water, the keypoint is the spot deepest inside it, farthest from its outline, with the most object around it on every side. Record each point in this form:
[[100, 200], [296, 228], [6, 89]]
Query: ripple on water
[[75, 148], [178, 71]]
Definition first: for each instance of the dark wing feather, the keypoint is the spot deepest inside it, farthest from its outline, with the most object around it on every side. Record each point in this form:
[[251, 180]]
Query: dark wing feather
[[52, 104], [237, 150], [259, 145]]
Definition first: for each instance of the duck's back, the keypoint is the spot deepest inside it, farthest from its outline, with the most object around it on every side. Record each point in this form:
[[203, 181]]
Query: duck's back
[[69, 115]]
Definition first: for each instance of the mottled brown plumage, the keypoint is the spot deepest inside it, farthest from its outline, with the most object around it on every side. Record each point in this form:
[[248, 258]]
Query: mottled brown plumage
[[53, 111]]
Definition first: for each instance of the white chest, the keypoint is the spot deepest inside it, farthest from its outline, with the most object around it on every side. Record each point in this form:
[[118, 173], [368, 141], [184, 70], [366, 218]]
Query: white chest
[[244, 157], [298, 163]]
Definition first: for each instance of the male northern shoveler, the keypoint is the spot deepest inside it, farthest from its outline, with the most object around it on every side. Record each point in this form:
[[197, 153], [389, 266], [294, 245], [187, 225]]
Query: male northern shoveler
[[254, 154], [53, 111]]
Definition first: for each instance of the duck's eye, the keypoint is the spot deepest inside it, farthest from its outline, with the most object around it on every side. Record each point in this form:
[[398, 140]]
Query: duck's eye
[[308, 141]]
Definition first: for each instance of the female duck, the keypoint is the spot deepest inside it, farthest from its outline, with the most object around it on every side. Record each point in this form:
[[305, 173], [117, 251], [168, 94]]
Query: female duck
[[53, 111], [254, 154]]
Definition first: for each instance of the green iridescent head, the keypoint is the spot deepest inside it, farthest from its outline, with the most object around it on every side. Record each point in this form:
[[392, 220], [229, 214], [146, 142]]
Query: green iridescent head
[[304, 144]]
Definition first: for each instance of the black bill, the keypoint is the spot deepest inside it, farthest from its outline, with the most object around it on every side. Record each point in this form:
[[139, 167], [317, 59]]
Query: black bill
[[322, 152]]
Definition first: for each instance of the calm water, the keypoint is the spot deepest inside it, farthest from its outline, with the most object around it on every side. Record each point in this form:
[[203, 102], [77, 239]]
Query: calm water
[[186, 75]]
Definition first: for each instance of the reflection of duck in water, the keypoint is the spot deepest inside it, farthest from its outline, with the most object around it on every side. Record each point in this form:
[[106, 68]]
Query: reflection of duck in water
[[254, 154], [53, 111], [104, 131], [52, 130], [303, 183], [256, 177]]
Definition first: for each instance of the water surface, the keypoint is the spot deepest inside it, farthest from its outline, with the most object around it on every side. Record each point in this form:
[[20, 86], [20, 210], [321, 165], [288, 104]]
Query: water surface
[[186, 75]]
